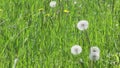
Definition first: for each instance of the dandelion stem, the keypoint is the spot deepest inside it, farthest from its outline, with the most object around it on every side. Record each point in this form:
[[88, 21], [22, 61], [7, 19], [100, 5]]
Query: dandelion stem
[[15, 62], [91, 65], [87, 37], [82, 65]]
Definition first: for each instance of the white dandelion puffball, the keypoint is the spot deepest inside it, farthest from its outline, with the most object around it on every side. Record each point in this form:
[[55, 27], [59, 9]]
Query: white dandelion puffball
[[82, 25], [76, 49], [94, 49], [52, 4], [94, 56]]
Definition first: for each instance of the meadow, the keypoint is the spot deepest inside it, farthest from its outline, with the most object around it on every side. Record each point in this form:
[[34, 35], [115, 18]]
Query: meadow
[[41, 37]]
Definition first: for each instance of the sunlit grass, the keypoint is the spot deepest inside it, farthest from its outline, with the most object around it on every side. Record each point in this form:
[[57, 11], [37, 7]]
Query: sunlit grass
[[41, 36]]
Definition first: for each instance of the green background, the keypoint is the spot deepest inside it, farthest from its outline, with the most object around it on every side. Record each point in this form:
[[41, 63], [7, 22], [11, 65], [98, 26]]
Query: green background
[[43, 38]]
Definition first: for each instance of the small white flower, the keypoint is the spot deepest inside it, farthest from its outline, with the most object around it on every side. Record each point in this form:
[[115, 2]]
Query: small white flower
[[94, 56], [15, 62], [76, 49], [52, 4], [94, 49], [82, 25]]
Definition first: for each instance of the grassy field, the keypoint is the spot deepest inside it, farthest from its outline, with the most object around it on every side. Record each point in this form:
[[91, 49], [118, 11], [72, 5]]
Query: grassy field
[[41, 37]]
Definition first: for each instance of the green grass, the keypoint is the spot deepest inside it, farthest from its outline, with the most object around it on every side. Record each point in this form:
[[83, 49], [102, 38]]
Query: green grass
[[43, 39]]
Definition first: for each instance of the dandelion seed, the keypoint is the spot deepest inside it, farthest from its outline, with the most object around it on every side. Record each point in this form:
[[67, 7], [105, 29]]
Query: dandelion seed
[[66, 11], [82, 25], [76, 49], [94, 56], [53, 4], [15, 62]]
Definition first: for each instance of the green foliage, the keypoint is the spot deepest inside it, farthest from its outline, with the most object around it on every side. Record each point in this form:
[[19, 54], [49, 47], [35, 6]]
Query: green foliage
[[41, 36]]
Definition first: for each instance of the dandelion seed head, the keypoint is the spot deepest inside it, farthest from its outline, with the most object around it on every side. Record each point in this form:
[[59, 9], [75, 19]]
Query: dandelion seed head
[[53, 4], [82, 25], [76, 49], [94, 56], [94, 49]]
